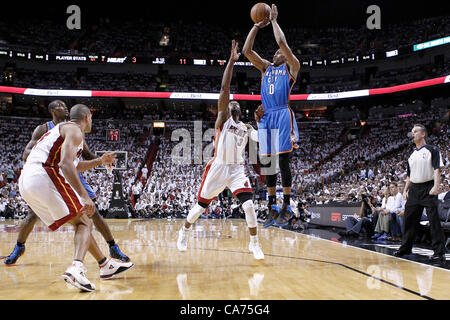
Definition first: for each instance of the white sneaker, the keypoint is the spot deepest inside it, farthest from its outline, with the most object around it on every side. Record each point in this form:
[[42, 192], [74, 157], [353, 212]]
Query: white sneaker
[[74, 275], [113, 267], [255, 247], [182, 240]]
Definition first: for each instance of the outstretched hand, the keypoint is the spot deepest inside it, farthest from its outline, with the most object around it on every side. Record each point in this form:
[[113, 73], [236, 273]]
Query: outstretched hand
[[274, 13], [108, 158], [264, 23], [234, 56], [259, 113]]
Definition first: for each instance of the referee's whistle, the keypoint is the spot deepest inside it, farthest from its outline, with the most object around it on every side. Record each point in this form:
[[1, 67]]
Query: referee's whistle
[[410, 135]]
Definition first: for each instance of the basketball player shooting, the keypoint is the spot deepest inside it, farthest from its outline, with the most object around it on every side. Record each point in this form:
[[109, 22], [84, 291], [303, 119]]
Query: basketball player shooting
[[278, 79], [226, 168]]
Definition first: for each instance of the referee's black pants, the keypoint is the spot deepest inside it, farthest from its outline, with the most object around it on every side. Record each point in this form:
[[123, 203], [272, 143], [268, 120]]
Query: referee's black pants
[[419, 198]]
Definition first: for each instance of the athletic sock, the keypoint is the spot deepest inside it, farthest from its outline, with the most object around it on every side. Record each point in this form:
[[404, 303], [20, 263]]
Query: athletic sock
[[111, 243], [286, 200], [78, 263], [254, 239], [20, 244], [102, 262], [272, 200]]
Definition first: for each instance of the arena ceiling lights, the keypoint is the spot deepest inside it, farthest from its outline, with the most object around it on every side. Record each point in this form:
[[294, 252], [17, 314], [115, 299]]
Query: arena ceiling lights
[[215, 96]]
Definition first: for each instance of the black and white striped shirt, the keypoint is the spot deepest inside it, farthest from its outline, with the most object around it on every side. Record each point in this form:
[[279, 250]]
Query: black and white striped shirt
[[423, 162]]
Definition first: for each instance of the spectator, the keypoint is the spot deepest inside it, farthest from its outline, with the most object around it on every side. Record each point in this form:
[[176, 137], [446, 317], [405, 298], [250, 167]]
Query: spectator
[[392, 203], [365, 222]]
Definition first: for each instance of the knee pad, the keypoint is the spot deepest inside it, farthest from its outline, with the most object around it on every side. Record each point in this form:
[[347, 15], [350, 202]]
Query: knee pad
[[285, 170], [195, 212], [250, 214], [203, 205], [271, 181]]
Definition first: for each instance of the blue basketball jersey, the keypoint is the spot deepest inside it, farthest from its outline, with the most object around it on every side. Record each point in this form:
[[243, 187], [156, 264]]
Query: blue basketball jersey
[[276, 87], [50, 125]]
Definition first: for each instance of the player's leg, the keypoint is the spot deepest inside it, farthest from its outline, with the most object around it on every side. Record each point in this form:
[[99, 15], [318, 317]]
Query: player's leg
[[240, 186], [212, 185], [75, 274], [105, 231], [108, 267], [26, 227], [286, 182], [271, 183], [246, 199], [288, 136], [268, 138], [103, 228]]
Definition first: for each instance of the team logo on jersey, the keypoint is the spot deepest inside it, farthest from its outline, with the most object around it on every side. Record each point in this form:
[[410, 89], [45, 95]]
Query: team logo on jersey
[[237, 131]]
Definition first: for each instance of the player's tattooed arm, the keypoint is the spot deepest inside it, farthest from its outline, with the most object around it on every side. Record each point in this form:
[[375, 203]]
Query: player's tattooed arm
[[38, 132], [259, 63], [224, 113], [293, 62]]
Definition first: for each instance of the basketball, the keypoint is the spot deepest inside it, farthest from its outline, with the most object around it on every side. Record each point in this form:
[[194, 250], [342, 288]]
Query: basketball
[[260, 11]]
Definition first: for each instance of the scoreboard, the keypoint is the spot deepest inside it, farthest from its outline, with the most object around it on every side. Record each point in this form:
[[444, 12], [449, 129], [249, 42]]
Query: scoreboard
[[112, 135]]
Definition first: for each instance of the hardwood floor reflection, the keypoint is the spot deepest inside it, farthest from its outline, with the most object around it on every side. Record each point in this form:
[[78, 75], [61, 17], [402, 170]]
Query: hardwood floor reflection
[[216, 266]]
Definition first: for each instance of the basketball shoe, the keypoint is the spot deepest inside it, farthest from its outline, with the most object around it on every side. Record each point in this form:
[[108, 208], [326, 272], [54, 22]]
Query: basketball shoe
[[113, 267], [75, 275], [283, 218], [15, 255], [182, 239], [255, 248], [270, 219], [115, 253]]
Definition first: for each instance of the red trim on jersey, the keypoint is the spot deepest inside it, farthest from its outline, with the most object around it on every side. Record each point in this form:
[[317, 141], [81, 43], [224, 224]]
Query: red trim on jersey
[[205, 201], [68, 195], [51, 159], [205, 173], [242, 190]]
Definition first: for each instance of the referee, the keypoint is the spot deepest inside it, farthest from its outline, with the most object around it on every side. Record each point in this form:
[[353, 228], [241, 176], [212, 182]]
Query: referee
[[421, 192]]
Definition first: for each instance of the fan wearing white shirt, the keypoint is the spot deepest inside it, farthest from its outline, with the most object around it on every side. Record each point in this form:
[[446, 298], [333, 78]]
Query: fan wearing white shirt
[[391, 205], [397, 217]]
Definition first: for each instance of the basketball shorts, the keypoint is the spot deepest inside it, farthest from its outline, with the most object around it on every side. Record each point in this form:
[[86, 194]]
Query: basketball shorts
[[89, 190], [49, 195], [277, 132], [217, 177]]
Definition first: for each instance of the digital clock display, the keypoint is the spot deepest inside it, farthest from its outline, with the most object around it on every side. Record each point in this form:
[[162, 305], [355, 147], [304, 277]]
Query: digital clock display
[[112, 135]]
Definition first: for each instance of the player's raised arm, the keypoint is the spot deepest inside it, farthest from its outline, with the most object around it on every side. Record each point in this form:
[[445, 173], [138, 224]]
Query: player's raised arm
[[224, 113], [260, 63], [38, 132], [293, 62]]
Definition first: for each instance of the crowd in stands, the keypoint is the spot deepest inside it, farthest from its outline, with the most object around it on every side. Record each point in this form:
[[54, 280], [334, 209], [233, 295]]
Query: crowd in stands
[[133, 37], [178, 82], [336, 162]]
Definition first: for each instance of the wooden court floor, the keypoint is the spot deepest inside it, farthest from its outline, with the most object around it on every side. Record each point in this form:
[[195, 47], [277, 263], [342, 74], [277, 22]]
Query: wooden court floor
[[217, 266]]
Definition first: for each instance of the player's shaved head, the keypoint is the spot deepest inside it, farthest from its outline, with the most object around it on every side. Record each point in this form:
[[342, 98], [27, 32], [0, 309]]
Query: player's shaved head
[[55, 104], [234, 104], [79, 112]]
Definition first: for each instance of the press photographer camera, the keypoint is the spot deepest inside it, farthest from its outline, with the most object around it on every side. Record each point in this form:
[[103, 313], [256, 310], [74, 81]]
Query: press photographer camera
[[302, 219]]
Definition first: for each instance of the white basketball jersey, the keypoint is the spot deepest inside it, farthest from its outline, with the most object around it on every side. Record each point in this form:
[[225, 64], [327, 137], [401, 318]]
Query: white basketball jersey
[[230, 143], [47, 150]]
